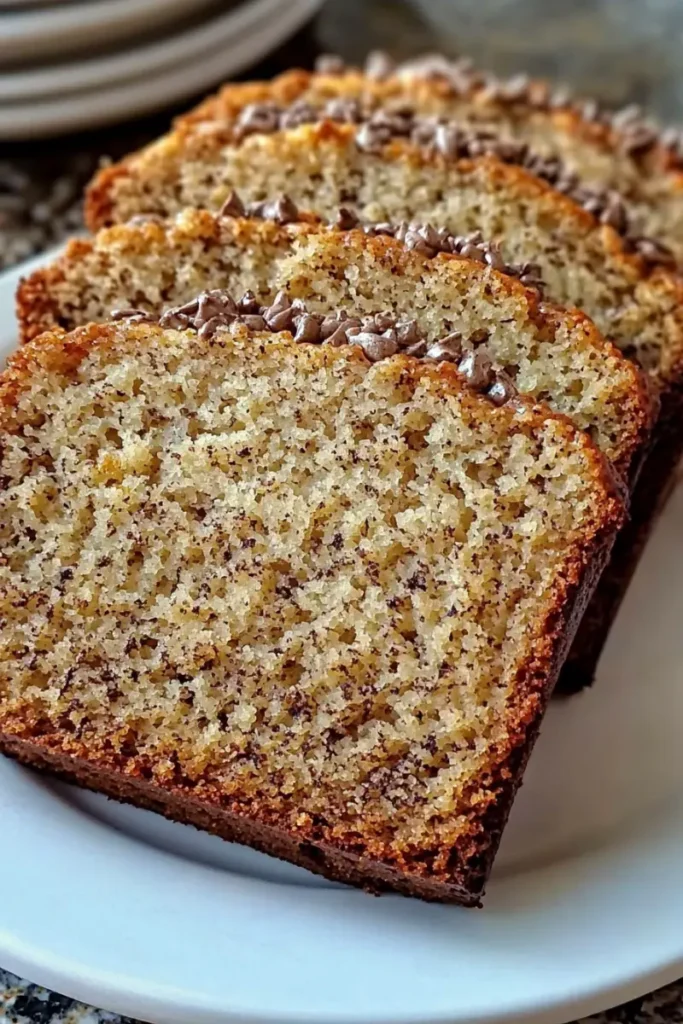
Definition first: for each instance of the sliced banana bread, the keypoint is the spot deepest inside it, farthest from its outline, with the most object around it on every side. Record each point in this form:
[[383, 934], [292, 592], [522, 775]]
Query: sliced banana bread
[[576, 144], [300, 599], [495, 323], [392, 165]]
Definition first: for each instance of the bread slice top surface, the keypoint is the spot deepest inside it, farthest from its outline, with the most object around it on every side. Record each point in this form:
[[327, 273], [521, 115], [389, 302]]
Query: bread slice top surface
[[650, 177], [584, 264], [553, 355], [327, 594]]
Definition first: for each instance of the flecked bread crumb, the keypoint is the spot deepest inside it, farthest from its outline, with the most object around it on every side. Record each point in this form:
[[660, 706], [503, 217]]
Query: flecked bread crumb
[[326, 596]]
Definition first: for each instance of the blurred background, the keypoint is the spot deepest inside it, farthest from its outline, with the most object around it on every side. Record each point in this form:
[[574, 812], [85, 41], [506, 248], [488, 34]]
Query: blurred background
[[85, 79]]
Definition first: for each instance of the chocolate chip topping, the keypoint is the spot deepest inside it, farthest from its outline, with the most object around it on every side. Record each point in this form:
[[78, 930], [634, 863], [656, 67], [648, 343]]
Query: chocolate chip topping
[[449, 349], [232, 207], [379, 335], [133, 315], [502, 389], [635, 134], [477, 369], [377, 128]]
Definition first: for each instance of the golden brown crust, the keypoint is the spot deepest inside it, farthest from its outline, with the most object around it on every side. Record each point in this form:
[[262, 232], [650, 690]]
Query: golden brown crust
[[36, 307], [660, 286], [457, 872], [222, 108], [288, 87]]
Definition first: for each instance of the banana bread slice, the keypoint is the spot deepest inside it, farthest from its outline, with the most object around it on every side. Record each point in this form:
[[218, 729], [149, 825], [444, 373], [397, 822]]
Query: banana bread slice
[[587, 151], [545, 352], [304, 600]]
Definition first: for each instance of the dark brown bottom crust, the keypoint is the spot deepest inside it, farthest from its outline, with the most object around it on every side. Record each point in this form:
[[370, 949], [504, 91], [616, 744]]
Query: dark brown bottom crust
[[373, 876], [652, 490]]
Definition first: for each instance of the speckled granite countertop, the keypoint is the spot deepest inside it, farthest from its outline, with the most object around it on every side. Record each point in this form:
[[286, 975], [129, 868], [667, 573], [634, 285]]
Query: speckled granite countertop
[[624, 52]]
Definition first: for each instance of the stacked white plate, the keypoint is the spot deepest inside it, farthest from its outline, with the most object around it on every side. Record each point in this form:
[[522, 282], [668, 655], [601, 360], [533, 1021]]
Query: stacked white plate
[[67, 66]]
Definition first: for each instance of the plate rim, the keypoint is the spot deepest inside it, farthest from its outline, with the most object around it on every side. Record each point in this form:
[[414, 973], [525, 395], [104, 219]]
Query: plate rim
[[101, 106], [97, 986], [19, 85]]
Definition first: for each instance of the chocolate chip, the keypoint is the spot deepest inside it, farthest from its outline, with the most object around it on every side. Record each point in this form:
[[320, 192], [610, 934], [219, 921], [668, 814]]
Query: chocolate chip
[[476, 368], [502, 389], [337, 337], [177, 321], [137, 315], [559, 98], [396, 123], [232, 207], [140, 219], [215, 302], [448, 140], [299, 113], [407, 333], [248, 303], [254, 322], [383, 321], [672, 138], [418, 350], [494, 258], [589, 110], [515, 89], [414, 240], [347, 111], [307, 329], [330, 323], [345, 219], [258, 117], [381, 228], [448, 349], [378, 65], [424, 131], [626, 116], [257, 208], [638, 139], [614, 213], [471, 251], [372, 138], [377, 346], [209, 327], [652, 250], [329, 64], [282, 210], [530, 275], [279, 315]]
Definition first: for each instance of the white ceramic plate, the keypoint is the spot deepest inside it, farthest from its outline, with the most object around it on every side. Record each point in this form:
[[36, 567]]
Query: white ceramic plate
[[224, 29], [68, 27], [125, 910], [278, 19]]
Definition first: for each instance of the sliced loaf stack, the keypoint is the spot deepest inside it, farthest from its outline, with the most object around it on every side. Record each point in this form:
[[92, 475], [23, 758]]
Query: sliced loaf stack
[[302, 510], [387, 163]]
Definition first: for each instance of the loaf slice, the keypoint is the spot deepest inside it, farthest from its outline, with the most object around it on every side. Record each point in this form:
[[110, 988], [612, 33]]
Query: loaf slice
[[302, 600], [576, 144], [552, 355]]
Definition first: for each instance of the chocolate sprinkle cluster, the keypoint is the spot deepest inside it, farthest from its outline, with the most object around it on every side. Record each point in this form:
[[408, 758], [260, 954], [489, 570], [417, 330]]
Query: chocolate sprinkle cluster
[[425, 238], [379, 335], [421, 237], [376, 128], [636, 135]]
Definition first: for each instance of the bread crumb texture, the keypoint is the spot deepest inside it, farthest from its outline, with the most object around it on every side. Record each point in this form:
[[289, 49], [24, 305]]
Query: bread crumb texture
[[650, 181], [325, 590], [555, 356]]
